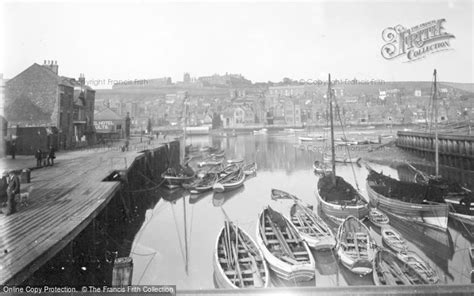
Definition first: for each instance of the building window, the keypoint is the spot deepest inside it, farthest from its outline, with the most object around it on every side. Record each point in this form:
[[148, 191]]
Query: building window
[[119, 126]]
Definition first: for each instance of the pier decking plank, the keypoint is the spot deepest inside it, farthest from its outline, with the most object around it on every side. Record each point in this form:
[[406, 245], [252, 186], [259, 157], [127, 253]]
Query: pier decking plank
[[63, 201]]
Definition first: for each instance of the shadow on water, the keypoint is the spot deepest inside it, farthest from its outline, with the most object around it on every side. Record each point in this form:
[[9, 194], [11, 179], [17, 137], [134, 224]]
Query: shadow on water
[[326, 262], [219, 199]]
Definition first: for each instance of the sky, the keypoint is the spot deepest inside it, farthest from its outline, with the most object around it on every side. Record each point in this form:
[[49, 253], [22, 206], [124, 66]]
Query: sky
[[264, 41]]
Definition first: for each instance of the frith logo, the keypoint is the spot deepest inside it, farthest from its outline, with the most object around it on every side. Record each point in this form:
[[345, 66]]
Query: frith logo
[[417, 42]]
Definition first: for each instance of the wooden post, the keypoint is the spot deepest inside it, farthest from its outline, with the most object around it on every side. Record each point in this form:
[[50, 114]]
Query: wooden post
[[122, 272]]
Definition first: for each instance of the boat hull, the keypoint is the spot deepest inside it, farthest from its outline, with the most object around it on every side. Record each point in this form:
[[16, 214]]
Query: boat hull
[[219, 274], [223, 187], [284, 270], [340, 212], [361, 265], [324, 238], [435, 214]]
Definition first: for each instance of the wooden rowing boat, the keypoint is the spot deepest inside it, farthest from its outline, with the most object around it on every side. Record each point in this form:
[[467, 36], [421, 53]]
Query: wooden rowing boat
[[394, 240], [420, 266], [250, 168], [407, 200], [229, 182], [238, 263], [391, 270], [343, 159], [378, 218], [173, 178], [285, 251], [211, 161], [235, 161], [460, 208], [340, 200], [202, 184], [218, 154], [311, 228], [355, 246]]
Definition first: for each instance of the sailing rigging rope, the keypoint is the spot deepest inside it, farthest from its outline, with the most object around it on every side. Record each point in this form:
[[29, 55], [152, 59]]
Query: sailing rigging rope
[[347, 146]]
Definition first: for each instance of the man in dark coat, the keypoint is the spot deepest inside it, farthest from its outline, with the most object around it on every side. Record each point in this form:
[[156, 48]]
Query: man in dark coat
[[13, 149], [39, 156], [12, 190], [51, 155]]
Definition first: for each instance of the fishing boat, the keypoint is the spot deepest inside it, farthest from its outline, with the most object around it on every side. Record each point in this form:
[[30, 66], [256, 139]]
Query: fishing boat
[[262, 131], [311, 139], [218, 154], [343, 159], [320, 168], [235, 161], [286, 252], [211, 161], [203, 184], [407, 200], [394, 240], [238, 263], [355, 246], [460, 208], [228, 169], [420, 266], [174, 177], [250, 168], [312, 228], [229, 182], [392, 271], [338, 198], [378, 218]]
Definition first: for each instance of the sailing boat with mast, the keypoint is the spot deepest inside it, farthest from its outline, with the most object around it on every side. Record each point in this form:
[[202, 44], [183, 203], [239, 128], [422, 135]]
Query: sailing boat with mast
[[182, 173], [338, 199], [458, 198], [410, 201]]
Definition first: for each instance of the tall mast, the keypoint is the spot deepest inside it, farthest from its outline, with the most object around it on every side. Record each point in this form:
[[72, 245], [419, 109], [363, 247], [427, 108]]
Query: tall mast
[[435, 106], [333, 152], [184, 130], [185, 236]]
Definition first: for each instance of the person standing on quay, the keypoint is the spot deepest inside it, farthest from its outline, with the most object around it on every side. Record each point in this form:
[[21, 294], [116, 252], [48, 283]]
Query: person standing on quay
[[38, 156], [51, 156], [13, 149], [12, 190]]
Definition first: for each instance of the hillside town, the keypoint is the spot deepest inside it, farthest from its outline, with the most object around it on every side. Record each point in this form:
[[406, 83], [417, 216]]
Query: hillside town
[[42, 105]]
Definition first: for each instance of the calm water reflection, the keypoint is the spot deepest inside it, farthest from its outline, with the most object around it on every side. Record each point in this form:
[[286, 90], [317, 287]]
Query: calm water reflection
[[160, 251]]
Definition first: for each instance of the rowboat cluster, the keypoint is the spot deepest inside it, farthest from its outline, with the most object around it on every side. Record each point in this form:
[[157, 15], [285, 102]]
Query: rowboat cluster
[[215, 172], [284, 245]]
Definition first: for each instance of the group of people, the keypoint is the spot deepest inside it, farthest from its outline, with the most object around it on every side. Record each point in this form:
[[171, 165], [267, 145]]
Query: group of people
[[45, 160], [12, 184]]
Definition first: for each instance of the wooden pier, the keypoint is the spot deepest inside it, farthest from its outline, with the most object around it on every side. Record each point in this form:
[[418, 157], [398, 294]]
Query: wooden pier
[[454, 150], [64, 199]]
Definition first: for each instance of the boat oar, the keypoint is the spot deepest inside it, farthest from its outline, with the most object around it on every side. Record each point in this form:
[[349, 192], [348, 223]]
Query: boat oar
[[258, 281], [235, 248]]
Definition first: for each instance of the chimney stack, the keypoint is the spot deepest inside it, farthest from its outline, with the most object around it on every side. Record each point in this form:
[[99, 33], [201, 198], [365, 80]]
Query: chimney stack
[[82, 80], [51, 65]]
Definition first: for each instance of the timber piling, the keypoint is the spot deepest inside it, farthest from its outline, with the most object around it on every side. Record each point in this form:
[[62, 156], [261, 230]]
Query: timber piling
[[454, 150]]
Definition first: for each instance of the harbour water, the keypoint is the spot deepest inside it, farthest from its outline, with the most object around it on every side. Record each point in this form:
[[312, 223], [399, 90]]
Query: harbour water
[[176, 242]]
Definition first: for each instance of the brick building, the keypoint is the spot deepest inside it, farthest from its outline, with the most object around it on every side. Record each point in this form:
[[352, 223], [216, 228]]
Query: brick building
[[39, 98]]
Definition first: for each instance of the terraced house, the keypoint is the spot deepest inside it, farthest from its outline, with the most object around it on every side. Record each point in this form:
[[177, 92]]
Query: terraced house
[[44, 108]]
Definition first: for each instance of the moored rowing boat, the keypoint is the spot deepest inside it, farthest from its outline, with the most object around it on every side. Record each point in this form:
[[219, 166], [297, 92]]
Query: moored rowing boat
[[286, 253], [355, 246], [238, 263]]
